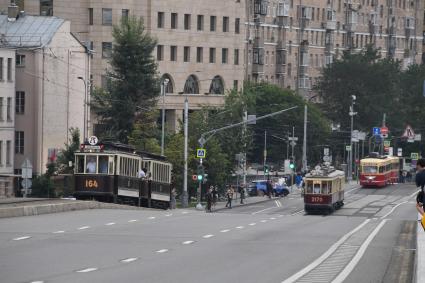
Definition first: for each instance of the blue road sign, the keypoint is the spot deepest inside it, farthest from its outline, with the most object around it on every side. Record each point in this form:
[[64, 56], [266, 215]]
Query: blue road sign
[[376, 131]]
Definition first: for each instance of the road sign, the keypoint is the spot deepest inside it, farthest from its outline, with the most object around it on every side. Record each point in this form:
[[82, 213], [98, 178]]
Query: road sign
[[201, 153], [414, 155], [399, 152], [194, 177], [384, 130], [26, 169], [418, 137], [409, 133], [387, 143], [293, 138], [376, 131], [391, 151], [93, 140], [326, 151], [326, 158], [26, 183], [252, 119], [348, 147], [293, 143]]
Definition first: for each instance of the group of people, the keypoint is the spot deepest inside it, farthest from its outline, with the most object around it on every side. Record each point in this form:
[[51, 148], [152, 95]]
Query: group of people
[[212, 197]]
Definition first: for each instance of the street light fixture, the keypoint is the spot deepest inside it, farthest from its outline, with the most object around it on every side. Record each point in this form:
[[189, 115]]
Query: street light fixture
[[85, 127], [164, 88]]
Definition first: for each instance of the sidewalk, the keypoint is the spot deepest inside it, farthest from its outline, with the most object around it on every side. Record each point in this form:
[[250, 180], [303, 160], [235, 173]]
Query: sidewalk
[[420, 254]]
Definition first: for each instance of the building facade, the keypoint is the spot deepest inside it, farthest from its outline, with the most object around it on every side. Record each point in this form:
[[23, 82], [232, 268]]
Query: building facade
[[7, 120], [49, 96]]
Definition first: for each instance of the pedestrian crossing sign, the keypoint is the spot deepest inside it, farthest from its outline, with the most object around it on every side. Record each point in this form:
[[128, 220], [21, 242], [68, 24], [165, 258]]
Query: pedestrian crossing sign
[[201, 153]]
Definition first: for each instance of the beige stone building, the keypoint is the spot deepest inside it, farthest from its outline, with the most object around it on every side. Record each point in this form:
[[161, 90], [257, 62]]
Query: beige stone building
[[48, 97], [207, 47]]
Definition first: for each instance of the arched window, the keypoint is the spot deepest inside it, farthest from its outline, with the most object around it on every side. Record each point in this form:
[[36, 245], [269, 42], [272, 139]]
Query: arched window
[[170, 85], [192, 85], [217, 85]]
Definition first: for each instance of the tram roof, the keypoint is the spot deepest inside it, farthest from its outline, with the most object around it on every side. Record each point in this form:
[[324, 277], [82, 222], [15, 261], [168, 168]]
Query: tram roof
[[378, 160], [325, 175]]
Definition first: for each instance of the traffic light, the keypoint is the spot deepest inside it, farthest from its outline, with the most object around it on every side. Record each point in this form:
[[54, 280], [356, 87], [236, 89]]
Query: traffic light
[[292, 164], [266, 169], [200, 173]]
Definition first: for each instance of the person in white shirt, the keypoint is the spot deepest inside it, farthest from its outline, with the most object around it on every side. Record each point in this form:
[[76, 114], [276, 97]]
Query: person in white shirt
[[91, 165], [142, 173]]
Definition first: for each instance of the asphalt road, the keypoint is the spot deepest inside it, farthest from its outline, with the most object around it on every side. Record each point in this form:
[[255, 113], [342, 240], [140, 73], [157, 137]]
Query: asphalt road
[[368, 240]]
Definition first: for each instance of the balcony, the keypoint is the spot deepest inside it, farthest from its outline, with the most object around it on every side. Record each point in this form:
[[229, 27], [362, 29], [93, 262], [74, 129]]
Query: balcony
[[329, 25]]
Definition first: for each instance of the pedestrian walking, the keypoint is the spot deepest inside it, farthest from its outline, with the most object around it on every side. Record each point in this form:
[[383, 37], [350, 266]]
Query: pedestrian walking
[[229, 195], [209, 198], [242, 193], [173, 199], [214, 193], [269, 188], [299, 181]]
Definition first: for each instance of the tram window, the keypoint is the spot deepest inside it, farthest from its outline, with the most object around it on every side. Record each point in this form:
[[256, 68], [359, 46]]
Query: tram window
[[103, 164], [381, 169], [91, 164], [316, 189], [369, 169], [80, 164], [111, 165], [309, 187]]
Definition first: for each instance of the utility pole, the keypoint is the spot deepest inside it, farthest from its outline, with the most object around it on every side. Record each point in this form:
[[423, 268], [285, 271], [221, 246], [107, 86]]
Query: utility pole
[[350, 155], [293, 143], [244, 154], [287, 145], [265, 154], [304, 159], [163, 89], [186, 126], [383, 125]]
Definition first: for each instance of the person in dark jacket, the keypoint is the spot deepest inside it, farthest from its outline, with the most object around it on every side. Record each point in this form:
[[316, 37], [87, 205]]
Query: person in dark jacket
[[209, 198], [420, 182]]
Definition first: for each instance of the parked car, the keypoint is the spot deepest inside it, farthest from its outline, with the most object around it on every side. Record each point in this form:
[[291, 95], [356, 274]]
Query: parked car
[[256, 188], [280, 190]]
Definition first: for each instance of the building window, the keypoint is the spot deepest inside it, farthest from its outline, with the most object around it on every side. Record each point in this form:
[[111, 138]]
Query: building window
[[160, 52], [9, 109], [90, 16], [235, 84], [161, 19], [107, 17], [186, 54], [8, 152], [1, 108], [46, 7], [212, 55], [174, 20], [124, 14], [173, 53], [1, 69], [236, 57], [19, 142], [224, 55], [20, 60], [213, 21], [1, 153], [106, 49], [20, 102], [200, 22], [237, 25], [187, 21], [199, 54], [225, 24], [217, 86], [9, 69]]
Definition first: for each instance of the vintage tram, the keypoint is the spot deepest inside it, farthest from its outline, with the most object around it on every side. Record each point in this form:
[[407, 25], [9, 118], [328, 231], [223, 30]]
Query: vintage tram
[[379, 171], [324, 190], [115, 172]]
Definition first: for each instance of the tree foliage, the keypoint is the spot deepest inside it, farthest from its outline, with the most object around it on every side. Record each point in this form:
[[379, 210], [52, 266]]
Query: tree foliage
[[132, 83], [67, 155]]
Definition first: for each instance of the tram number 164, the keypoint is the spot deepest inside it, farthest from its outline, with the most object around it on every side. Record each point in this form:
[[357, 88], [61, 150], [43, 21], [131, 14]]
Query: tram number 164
[[317, 199], [91, 184]]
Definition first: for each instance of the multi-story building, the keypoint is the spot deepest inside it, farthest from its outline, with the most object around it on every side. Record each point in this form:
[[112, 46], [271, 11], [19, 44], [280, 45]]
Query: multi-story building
[[200, 43], [45, 97], [7, 120], [290, 41]]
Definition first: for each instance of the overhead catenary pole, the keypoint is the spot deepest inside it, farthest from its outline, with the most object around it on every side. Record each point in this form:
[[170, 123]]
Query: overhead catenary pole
[[163, 90], [265, 154], [244, 156], [304, 159], [186, 126]]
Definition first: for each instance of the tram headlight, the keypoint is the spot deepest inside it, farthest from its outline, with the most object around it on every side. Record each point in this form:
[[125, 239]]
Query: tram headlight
[[370, 178]]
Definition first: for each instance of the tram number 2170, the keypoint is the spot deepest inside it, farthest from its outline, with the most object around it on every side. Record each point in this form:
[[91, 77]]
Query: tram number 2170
[[91, 184], [317, 199]]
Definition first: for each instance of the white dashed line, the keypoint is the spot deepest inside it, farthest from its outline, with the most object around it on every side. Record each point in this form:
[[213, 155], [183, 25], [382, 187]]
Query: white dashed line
[[262, 210], [152, 217], [272, 218], [263, 221], [110, 224], [239, 227], [59, 232], [87, 270], [185, 212], [297, 212], [188, 242], [280, 215], [207, 236], [22, 238], [225, 231], [131, 259], [252, 224], [168, 215], [132, 220], [162, 251], [37, 282], [84, 228]]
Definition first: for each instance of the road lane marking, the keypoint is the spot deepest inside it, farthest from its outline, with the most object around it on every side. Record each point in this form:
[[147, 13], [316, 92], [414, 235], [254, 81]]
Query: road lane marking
[[263, 221], [394, 208], [278, 203], [22, 238], [168, 215], [225, 231], [87, 270], [37, 282], [131, 259], [355, 260], [185, 212], [162, 251], [59, 232], [188, 242], [84, 228], [415, 193], [297, 212], [272, 218], [152, 217], [239, 227], [110, 224], [132, 220], [207, 236], [261, 210], [252, 224], [325, 255], [353, 189]]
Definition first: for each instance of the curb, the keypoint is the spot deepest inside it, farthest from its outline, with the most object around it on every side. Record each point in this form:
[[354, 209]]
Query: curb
[[420, 256], [246, 204]]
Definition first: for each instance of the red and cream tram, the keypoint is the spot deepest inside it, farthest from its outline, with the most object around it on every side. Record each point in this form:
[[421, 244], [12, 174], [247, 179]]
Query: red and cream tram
[[379, 171], [324, 190]]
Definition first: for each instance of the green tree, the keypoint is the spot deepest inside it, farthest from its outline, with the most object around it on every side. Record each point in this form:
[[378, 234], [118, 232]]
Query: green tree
[[42, 185], [67, 155], [132, 83]]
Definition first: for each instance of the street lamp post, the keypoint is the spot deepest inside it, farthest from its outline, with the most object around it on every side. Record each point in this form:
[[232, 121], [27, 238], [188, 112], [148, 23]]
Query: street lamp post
[[85, 127], [163, 88], [350, 155]]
